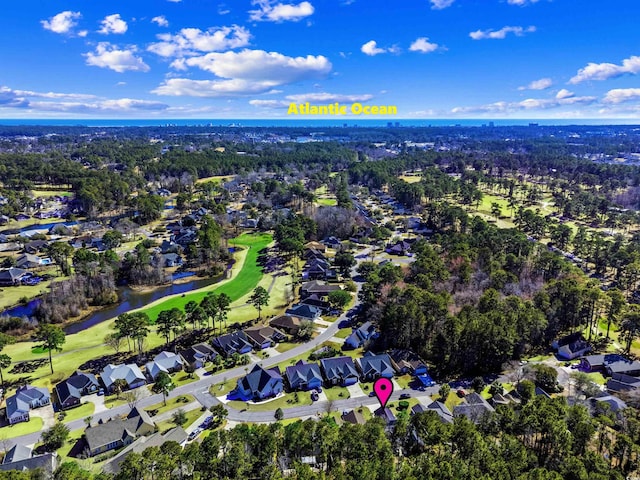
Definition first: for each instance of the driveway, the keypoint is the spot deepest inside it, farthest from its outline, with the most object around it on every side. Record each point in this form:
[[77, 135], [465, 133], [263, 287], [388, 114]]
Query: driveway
[[47, 415], [355, 391]]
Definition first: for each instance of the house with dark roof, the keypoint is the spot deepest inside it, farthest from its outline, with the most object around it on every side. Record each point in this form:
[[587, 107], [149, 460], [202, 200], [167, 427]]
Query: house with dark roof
[[339, 371], [306, 312], [624, 366], [441, 410], [615, 404], [594, 363], [177, 434], [572, 346], [26, 398], [401, 247], [167, 362], [47, 464], [12, 276], [287, 323], [264, 337], [361, 335], [171, 260], [353, 417], [317, 287], [71, 390], [316, 301], [405, 361], [332, 242], [304, 376], [474, 407], [117, 432], [619, 382], [373, 366], [197, 355], [26, 260], [259, 384], [236, 342], [387, 415], [35, 246], [129, 373]]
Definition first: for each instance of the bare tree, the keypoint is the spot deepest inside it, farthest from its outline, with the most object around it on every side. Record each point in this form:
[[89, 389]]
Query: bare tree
[[114, 341], [132, 397]]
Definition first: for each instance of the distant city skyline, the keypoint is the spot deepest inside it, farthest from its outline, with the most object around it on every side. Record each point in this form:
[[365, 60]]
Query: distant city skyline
[[432, 59]]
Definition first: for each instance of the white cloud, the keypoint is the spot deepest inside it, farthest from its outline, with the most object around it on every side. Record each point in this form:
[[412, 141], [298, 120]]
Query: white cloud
[[54, 95], [541, 84], [109, 56], [160, 20], [503, 107], [440, 4], [423, 45], [502, 33], [324, 97], [270, 11], [10, 99], [113, 24], [620, 95], [604, 71], [191, 41], [174, 1], [184, 87], [371, 48], [63, 22], [269, 103], [564, 93], [521, 3], [83, 33]]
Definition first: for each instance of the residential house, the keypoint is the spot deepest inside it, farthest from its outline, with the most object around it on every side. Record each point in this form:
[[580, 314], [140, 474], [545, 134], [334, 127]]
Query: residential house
[[304, 376], [339, 371], [197, 355], [373, 367], [25, 398], [316, 301], [616, 405], [167, 362], [317, 270], [387, 415], [118, 432], [594, 363], [316, 287], [610, 364], [442, 411], [71, 390], [305, 312], [287, 323], [259, 384], [624, 366], [405, 361], [46, 463], [236, 342], [26, 260], [354, 417], [474, 407], [332, 242], [401, 247], [620, 382], [171, 260], [264, 337], [12, 276], [572, 346], [129, 373], [177, 434], [17, 453], [315, 246], [361, 335], [35, 246]]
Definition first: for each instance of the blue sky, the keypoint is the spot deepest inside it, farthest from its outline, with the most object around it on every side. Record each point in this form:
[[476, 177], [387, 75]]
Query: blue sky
[[251, 58]]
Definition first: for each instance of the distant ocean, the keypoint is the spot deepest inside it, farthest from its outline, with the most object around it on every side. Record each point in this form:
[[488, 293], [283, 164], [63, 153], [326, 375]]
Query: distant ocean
[[337, 122]]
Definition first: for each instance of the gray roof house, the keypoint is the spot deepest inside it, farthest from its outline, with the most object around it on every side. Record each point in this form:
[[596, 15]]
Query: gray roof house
[[339, 371], [197, 355], [474, 407], [26, 260], [129, 373], [70, 391], [167, 362], [17, 452], [11, 276], [304, 376], [118, 432], [375, 366], [47, 464]]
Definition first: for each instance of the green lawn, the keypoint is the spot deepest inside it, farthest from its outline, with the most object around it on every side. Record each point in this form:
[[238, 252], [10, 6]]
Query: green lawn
[[404, 380], [10, 296], [192, 416], [221, 389], [343, 333], [172, 403], [286, 401], [24, 428], [336, 393], [243, 283], [286, 346], [51, 193], [327, 202], [114, 401], [84, 410], [183, 378]]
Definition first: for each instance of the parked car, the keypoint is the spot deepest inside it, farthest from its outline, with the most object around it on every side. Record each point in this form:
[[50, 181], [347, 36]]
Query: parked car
[[195, 433], [404, 395], [372, 394], [461, 393]]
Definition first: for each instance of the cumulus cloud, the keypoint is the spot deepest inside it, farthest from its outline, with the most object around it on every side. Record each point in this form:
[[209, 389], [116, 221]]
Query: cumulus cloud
[[521, 3], [564, 93], [423, 45], [110, 56], [316, 98], [620, 95], [244, 73], [270, 11], [63, 22], [160, 20], [502, 33], [193, 41], [10, 98], [113, 24], [371, 48], [54, 95], [541, 84], [440, 4], [604, 71]]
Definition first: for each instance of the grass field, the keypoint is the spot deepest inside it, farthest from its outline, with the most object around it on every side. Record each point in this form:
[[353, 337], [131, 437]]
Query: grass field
[[192, 416], [327, 202], [51, 193], [286, 401], [172, 403], [336, 393], [23, 428], [243, 283], [10, 296], [84, 410]]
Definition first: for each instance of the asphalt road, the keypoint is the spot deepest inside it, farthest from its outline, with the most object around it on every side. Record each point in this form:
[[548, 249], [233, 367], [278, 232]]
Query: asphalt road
[[200, 388]]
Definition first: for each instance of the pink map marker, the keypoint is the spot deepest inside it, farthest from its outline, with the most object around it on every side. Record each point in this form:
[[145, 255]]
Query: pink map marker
[[383, 388]]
